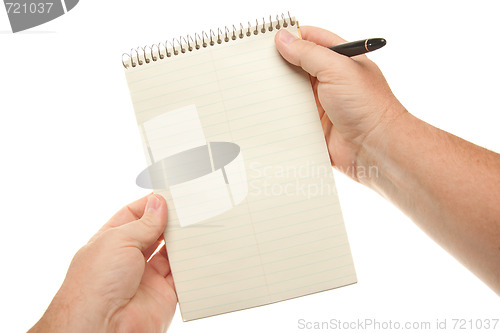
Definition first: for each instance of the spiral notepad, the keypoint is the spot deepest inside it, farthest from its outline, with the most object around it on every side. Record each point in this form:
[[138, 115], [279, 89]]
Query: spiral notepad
[[234, 143]]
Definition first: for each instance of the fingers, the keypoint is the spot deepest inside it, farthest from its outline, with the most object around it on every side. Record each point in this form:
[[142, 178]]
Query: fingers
[[160, 263], [170, 281], [146, 230], [154, 248], [315, 59], [320, 36], [131, 212], [325, 38]]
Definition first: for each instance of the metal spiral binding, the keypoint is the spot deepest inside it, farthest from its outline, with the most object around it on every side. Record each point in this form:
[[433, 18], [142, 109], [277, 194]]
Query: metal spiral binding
[[147, 54]]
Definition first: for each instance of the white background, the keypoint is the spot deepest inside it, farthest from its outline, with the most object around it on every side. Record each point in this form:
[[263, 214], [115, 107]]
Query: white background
[[70, 149]]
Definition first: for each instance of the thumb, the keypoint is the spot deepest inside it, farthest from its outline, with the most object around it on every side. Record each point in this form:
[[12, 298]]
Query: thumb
[[146, 230], [314, 59]]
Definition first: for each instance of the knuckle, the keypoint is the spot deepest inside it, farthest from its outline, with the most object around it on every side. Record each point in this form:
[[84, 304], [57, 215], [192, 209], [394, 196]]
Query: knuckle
[[150, 222], [306, 53], [147, 219], [308, 48]]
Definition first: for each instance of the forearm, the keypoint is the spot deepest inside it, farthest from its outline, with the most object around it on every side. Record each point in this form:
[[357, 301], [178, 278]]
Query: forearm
[[448, 186]]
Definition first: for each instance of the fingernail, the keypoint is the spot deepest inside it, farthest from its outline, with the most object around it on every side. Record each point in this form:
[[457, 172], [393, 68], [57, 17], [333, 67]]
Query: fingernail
[[286, 37], [153, 204]]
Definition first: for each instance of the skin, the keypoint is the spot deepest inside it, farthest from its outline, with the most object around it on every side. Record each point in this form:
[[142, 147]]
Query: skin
[[109, 286], [449, 187]]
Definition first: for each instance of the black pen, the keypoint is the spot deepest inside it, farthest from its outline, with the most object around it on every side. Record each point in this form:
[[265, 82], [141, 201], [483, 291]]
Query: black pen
[[352, 49]]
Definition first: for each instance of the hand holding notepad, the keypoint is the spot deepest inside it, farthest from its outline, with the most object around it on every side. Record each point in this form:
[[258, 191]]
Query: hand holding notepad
[[235, 145]]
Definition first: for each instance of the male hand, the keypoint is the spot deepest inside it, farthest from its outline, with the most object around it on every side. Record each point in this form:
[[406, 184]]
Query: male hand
[[110, 286], [353, 98]]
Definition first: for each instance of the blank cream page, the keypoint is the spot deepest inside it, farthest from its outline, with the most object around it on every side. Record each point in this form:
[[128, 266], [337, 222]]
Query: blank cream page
[[254, 216]]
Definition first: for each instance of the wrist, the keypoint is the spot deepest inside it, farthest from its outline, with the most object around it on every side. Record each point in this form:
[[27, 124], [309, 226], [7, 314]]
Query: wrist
[[371, 160]]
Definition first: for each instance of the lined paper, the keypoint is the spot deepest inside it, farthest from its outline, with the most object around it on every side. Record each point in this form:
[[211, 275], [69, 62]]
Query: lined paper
[[287, 237]]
